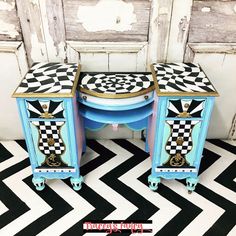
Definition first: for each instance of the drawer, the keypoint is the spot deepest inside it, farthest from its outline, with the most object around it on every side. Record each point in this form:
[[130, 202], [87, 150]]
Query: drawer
[[45, 109], [180, 142], [185, 108], [51, 143]]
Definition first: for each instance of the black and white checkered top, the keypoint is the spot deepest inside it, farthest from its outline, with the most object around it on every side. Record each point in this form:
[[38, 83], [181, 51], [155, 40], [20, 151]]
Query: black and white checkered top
[[115, 84], [182, 78], [48, 78]]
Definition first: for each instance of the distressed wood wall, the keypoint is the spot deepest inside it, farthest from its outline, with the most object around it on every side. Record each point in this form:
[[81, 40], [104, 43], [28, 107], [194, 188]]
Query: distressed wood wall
[[213, 22], [125, 35], [104, 20], [9, 21]]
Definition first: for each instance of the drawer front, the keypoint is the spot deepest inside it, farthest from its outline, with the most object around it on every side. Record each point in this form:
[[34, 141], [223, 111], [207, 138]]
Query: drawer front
[[45, 109], [185, 108], [51, 143], [179, 144]]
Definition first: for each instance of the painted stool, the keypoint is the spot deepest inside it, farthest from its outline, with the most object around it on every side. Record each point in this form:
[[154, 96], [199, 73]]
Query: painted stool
[[182, 108], [46, 100]]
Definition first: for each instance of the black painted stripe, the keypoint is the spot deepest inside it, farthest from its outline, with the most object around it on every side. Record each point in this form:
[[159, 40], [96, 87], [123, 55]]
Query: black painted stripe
[[227, 220], [226, 178], [145, 208], [188, 212], [59, 208], [4, 153], [224, 145]]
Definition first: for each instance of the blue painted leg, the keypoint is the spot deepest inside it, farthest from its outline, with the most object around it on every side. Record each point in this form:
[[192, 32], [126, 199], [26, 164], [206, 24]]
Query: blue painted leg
[[39, 183], [191, 184], [146, 142], [153, 182], [76, 183]]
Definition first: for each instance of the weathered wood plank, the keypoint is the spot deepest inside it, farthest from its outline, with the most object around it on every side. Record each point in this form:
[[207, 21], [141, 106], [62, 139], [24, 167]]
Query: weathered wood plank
[[94, 62], [9, 22], [181, 13], [221, 70], [159, 30], [226, 48], [213, 21], [122, 62], [54, 29], [32, 29], [101, 20]]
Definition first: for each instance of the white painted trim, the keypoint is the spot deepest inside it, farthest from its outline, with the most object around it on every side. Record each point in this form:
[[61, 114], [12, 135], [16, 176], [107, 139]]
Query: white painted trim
[[9, 46], [229, 48], [107, 47]]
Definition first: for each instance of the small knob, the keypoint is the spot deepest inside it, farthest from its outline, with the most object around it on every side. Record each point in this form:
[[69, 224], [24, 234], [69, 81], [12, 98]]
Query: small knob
[[85, 98], [186, 105], [51, 141], [179, 141], [146, 97], [44, 106]]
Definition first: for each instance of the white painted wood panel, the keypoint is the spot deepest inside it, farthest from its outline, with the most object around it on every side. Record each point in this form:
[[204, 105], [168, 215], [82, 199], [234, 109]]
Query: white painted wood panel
[[159, 29], [181, 13], [94, 62], [221, 70], [13, 68], [122, 62]]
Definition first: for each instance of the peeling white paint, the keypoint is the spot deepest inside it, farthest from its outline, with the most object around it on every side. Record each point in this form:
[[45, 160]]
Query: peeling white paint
[[6, 6], [38, 50], [35, 2], [206, 9], [8, 29], [107, 15]]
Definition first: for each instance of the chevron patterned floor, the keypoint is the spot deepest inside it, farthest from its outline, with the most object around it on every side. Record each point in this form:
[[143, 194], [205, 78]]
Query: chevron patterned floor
[[116, 188]]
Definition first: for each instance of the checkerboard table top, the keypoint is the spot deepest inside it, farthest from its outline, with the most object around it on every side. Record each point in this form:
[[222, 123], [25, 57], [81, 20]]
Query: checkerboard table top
[[177, 79], [116, 85], [49, 80]]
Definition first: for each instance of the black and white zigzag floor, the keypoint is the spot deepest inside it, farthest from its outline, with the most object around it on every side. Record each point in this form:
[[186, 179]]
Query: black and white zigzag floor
[[116, 188]]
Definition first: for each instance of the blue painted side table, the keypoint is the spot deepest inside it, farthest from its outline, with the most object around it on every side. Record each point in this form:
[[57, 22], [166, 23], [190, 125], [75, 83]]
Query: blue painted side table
[[52, 127], [183, 105]]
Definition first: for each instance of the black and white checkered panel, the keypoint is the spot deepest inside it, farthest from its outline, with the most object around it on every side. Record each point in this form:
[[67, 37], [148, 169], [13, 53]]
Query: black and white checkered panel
[[50, 129], [49, 78], [116, 83], [180, 128], [194, 107], [182, 77], [37, 107]]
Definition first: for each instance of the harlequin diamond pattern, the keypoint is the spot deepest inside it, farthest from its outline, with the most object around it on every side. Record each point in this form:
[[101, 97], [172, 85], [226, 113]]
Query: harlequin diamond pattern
[[182, 77], [116, 83], [48, 78], [116, 188]]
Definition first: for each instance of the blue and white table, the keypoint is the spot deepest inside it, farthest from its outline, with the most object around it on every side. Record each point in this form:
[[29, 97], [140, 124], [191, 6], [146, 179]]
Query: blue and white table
[[173, 103]]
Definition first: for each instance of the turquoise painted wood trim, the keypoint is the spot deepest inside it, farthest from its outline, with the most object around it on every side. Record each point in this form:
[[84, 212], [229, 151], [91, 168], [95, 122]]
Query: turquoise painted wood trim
[[93, 125], [191, 156], [204, 129], [179, 175], [138, 125], [116, 108], [26, 130], [164, 155], [116, 117], [161, 111], [56, 175], [71, 134], [40, 157]]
